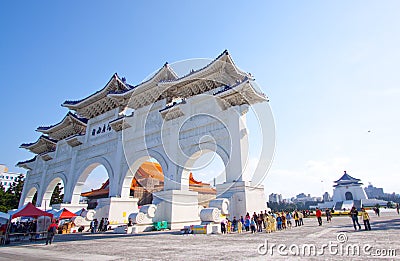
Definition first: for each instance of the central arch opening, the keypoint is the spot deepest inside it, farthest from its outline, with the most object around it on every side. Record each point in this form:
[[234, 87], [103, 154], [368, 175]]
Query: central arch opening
[[144, 178], [209, 168], [203, 171], [92, 185]]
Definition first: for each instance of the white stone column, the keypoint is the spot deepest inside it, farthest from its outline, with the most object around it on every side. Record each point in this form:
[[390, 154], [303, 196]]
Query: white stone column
[[68, 196], [24, 190], [42, 189], [239, 140], [118, 176]]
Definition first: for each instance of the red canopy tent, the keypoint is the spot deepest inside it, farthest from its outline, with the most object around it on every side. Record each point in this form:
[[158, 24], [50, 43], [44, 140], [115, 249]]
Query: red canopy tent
[[64, 214], [29, 210]]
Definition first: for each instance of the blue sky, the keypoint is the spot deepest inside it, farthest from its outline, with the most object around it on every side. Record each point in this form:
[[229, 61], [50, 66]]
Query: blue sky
[[329, 68]]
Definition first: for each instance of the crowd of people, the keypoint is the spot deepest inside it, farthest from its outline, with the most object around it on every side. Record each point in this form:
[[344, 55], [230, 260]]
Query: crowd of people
[[275, 221], [264, 221], [96, 226], [24, 228]]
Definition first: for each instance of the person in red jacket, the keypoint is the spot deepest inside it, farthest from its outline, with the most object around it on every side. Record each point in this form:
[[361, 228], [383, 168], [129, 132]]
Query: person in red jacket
[[51, 231], [318, 214]]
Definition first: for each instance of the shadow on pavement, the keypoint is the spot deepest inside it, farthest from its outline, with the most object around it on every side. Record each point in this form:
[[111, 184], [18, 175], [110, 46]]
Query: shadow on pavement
[[60, 238]]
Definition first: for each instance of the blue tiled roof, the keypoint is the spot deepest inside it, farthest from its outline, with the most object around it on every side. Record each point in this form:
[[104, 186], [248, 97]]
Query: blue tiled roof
[[41, 137], [70, 102], [27, 161], [347, 177], [154, 75], [226, 87], [225, 52], [81, 119]]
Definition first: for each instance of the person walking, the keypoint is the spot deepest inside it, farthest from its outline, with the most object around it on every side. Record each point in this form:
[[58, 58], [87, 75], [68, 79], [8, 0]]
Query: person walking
[[398, 208], [247, 223], [96, 225], [318, 214], [253, 226], [51, 231], [301, 215], [242, 220], [328, 215], [354, 218], [265, 220], [223, 227], [92, 226], [106, 223], [289, 219], [283, 216], [259, 223], [234, 224], [279, 222], [101, 224], [271, 224], [365, 217], [296, 218], [239, 226]]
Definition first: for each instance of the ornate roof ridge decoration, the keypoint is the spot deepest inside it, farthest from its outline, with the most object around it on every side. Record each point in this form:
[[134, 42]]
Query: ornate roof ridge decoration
[[224, 57], [42, 145], [221, 71], [156, 77], [71, 124], [146, 91], [98, 102], [27, 163], [242, 92], [347, 178]]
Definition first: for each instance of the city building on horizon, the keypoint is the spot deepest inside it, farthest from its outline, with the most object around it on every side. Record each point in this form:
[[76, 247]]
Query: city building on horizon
[[273, 197], [6, 177], [302, 197], [374, 192], [326, 197]]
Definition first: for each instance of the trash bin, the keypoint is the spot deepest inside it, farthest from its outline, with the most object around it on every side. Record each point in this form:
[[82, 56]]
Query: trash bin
[[161, 225]]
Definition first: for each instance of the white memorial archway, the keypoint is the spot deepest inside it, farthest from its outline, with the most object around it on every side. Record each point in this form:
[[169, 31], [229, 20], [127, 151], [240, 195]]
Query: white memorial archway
[[173, 119]]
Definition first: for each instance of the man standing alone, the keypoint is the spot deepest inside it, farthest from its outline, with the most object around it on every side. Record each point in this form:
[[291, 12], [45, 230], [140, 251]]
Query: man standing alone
[[318, 214]]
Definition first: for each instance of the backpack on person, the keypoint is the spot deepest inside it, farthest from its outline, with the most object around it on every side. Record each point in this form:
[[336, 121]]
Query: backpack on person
[[52, 230]]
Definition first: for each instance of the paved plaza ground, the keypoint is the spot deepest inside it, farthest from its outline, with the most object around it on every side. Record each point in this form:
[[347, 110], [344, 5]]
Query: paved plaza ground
[[340, 239]]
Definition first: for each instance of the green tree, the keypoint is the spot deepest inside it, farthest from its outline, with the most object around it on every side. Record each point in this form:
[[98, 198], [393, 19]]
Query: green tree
[[10, 199], [57, 197], [3, 196], [18, 186], [34, 199]]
